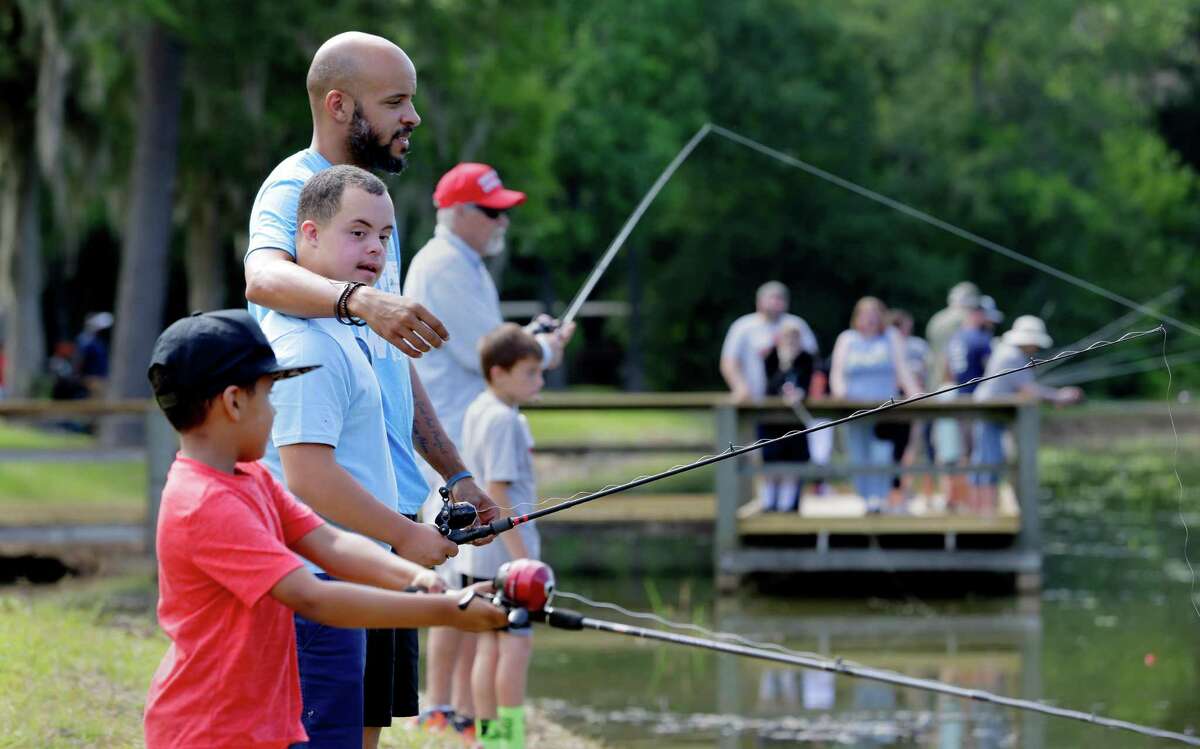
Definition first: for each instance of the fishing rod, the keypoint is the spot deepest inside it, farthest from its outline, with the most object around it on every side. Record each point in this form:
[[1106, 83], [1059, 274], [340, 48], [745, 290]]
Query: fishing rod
[[618, 242], [574, 621], [456, 520], [526, 588], [709, 128]]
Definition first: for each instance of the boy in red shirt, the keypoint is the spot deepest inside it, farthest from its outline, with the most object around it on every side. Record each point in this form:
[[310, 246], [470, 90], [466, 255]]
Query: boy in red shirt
[[228, 540]]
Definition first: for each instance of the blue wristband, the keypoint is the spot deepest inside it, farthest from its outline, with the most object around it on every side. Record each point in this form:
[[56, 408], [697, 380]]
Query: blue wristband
[[450, 482]]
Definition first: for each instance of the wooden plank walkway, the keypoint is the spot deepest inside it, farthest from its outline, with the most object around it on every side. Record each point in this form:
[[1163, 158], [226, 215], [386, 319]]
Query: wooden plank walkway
[[837, 513], [641, 508]]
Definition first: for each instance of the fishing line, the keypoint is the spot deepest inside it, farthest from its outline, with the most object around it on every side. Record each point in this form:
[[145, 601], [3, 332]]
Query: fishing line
[[508, 523], [687, 626], [811, 427], [950, 228], [1077, 375], [570, 620], [858, 189], [1170, 296], [1179, 480]]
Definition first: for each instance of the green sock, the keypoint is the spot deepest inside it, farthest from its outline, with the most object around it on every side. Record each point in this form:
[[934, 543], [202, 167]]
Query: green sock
[[513, 720], [487, 733]]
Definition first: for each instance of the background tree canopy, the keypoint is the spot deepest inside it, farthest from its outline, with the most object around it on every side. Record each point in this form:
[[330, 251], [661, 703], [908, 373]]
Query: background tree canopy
[[1062, 129]]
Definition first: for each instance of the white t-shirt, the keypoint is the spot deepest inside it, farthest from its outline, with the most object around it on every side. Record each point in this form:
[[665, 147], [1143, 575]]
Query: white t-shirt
[[751, 337], [497, 446]]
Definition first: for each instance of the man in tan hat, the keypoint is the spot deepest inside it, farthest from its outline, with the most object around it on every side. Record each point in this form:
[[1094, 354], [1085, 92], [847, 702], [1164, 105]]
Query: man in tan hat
[[963, 297], [1026, 337]]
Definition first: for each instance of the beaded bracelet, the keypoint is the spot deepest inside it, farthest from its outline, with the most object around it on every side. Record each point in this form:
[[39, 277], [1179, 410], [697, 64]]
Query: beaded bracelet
[[341, 310]]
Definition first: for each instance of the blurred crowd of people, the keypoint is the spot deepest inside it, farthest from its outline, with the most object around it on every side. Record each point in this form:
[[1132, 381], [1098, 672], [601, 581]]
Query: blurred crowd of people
[[772, 352]]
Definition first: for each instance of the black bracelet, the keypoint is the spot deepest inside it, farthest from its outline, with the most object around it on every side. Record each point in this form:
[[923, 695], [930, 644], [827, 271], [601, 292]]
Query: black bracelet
[[342, 309]]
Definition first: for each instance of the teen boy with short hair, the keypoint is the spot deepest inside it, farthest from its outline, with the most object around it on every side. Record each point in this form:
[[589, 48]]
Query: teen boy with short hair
[[496, 446], [330, 447], [227, 543]]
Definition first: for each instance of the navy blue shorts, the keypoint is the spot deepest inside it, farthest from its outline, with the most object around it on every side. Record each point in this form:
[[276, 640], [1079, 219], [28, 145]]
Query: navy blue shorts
[[391, 679], [331, 683]]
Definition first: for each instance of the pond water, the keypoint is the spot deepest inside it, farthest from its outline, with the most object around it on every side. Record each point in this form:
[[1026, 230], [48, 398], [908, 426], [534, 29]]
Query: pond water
[[1113, 632]]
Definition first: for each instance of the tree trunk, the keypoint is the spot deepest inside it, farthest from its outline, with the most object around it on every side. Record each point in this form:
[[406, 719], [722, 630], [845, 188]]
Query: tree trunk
[[635, 371], [24, 339], [203, 258], [142, 281]]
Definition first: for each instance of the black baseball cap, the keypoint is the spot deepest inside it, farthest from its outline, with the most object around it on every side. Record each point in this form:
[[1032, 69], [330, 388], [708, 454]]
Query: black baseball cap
[[201, 355]]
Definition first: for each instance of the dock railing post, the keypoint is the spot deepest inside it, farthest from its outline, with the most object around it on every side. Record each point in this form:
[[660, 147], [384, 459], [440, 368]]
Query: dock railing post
[[1028, 436], [161, 446], [728, 488]]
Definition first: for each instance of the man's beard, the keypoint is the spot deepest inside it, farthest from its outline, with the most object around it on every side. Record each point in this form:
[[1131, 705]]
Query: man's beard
[[364, 147], [495, 243]]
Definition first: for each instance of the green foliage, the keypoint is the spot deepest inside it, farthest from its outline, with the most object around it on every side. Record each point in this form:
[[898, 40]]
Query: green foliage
[[1035, 126]]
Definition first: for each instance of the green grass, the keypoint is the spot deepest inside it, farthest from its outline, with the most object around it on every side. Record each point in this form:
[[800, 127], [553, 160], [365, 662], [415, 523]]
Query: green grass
[[70, 677], [76, 661], [620, 470], [557, 427], [75, 491], [20, 437]]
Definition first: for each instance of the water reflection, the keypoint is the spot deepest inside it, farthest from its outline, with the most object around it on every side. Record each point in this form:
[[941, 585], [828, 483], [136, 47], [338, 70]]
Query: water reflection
[[642, 694], [1113, 632]]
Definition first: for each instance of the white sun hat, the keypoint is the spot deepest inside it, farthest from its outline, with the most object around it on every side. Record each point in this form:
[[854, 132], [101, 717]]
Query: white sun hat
[[1028, 330]]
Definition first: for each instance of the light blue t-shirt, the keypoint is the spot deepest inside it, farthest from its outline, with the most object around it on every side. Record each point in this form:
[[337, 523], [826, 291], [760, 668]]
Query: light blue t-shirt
[[338, 404], [273, 226], [870, 370]]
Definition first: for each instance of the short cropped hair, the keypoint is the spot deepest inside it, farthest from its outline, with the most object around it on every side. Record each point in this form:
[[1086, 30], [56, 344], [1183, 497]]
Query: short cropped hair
[[321, 197], [189, 411], [772, 288], [505, 346]]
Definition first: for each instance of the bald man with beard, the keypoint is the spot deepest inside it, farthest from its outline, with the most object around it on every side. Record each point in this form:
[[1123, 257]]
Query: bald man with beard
[[360, 90]]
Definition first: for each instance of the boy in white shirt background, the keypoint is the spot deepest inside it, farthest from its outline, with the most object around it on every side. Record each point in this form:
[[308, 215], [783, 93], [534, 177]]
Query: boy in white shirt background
[[497, 448]]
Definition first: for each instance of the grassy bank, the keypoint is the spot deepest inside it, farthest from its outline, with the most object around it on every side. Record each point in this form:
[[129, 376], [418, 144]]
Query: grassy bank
[[76, 660]]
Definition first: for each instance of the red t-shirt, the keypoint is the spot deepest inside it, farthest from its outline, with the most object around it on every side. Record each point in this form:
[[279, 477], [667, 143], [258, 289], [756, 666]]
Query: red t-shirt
[[229, 678]]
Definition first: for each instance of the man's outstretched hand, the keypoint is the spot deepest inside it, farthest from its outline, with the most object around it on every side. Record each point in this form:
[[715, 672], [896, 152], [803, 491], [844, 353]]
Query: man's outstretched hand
[[399, 320]]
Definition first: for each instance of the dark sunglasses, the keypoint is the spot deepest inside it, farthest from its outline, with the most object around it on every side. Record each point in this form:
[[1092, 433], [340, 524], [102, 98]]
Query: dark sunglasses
[[492, 213]]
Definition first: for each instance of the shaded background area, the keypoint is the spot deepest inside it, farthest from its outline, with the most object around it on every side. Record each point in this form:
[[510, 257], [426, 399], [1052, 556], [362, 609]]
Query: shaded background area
[[136, 133]]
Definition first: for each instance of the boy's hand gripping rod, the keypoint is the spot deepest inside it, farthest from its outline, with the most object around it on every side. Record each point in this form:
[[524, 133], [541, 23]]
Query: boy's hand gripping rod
[[459, 532]]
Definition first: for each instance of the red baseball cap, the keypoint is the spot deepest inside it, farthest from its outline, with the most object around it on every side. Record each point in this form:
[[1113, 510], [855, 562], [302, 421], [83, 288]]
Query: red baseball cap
[[475, 183]]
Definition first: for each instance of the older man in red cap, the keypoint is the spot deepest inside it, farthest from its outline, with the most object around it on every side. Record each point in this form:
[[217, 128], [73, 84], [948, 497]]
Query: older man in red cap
[[449, 278]]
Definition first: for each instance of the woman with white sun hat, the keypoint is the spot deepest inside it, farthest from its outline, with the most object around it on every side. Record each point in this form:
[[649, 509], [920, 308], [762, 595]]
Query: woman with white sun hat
[[1025, 338]]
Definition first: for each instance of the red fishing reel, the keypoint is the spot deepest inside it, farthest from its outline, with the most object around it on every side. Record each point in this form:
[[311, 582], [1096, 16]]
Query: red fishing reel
[[524, 586]]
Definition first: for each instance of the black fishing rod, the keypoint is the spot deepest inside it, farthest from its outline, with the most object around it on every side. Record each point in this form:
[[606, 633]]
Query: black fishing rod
[[526, 588], [456, 520], [574, 621]]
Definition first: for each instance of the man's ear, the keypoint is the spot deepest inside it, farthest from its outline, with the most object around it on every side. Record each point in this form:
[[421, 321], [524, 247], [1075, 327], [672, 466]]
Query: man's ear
[[339, 105]]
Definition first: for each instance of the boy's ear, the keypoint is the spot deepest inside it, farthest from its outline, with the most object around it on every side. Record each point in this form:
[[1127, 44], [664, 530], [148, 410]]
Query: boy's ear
[[309, 230], [230, 400]]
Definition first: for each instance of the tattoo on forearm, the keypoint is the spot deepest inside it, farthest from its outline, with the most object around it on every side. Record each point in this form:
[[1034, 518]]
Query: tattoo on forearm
[[430, 440]]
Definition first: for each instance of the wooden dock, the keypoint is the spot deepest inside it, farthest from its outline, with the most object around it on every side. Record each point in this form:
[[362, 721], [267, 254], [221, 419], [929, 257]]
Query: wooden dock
[[831, 533]]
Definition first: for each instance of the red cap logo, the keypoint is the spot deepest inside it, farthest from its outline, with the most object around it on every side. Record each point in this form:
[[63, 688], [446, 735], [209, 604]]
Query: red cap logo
[[475, 183]]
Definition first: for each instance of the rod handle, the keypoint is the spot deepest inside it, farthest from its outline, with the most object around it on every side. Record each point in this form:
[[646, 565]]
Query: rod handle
[[559, 618], [467, 535]]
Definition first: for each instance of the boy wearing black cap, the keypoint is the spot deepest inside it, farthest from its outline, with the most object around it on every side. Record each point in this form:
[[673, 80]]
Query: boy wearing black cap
[[227, 543]]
